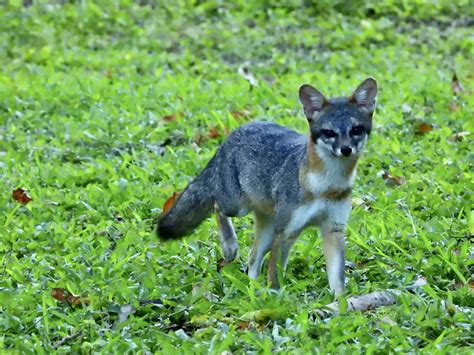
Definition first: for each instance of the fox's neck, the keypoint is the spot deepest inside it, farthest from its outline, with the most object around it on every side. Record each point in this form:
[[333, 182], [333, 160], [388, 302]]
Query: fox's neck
[[326, 175]]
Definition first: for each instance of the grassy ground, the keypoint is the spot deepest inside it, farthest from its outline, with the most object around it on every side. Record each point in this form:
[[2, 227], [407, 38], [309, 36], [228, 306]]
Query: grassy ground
[[106, 111]]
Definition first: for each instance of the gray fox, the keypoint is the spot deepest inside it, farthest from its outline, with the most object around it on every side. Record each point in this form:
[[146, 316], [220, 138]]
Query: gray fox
[[289, 181]]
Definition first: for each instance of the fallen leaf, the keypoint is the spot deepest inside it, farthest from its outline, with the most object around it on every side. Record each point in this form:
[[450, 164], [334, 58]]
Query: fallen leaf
[[213, 133], [456, 137], [173, 117], [244, 71], [456, 85], [60, 294], [170, 202], [470, 284], [244, 325], [239, 114], [63, 295], [391, 180], [21, 196], [424, 128]]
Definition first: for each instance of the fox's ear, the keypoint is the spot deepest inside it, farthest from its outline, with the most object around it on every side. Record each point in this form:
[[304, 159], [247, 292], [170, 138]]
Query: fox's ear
[[365, 95], [312, 100]]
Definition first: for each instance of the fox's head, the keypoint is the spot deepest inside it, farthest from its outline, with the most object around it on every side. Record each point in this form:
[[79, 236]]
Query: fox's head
[[340, 126]]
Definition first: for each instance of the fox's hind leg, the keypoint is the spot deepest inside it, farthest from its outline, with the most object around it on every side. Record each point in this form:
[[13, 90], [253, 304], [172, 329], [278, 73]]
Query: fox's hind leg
[[264, 233], [227, 236]]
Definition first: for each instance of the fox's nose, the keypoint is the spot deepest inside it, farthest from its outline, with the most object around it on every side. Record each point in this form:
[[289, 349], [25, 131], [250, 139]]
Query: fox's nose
[[346, 150]]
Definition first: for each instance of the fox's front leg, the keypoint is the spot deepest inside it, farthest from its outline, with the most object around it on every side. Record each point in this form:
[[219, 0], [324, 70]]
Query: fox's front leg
[[334, 251], [280, 251]]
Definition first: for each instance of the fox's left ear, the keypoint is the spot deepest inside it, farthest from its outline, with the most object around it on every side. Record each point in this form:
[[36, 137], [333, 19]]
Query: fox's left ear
[[365, 96]]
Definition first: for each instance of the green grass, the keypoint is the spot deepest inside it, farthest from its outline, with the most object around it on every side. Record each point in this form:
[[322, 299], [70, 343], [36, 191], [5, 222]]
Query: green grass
[[84, 90]]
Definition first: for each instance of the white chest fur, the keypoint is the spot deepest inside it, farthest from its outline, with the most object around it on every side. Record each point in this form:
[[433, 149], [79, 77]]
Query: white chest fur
[[333, 177]]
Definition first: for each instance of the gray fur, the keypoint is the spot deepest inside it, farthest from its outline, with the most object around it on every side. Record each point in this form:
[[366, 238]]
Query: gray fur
[[256, 169]]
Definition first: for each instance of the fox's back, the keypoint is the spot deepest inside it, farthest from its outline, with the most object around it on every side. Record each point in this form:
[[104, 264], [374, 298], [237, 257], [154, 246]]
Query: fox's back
[[252, 164]]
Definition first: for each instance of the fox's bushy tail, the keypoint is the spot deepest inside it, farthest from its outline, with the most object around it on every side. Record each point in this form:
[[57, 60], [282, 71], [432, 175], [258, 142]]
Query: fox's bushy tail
[[191, 207]]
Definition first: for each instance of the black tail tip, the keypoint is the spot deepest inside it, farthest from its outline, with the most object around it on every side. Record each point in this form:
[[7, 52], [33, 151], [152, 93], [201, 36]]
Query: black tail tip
[[166, 231]]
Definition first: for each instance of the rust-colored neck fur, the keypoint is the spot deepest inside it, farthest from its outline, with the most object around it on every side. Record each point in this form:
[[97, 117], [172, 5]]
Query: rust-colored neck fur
[[315, 163]]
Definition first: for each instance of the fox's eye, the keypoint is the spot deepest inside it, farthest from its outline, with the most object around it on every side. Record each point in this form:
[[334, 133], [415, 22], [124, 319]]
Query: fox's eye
[[327, 133], [357, 130]]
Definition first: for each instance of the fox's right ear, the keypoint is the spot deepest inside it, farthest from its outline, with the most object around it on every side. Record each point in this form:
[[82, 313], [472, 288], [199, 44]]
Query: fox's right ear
[[312, 100], [365, 96]]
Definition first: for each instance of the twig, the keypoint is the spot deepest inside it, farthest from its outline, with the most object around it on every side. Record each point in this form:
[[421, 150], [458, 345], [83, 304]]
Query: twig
[[360, 303], [67, 338]]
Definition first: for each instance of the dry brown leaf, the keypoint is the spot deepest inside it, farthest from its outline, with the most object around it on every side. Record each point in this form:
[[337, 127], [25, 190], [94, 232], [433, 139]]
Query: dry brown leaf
[[244, 325], [456, 137], [60, 294], [456, 85], [424, 128], [173, 117], [213, 133], [63, 295], [459, 285], [21, 195], [170, 202], [391, 180], [240, 114]]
